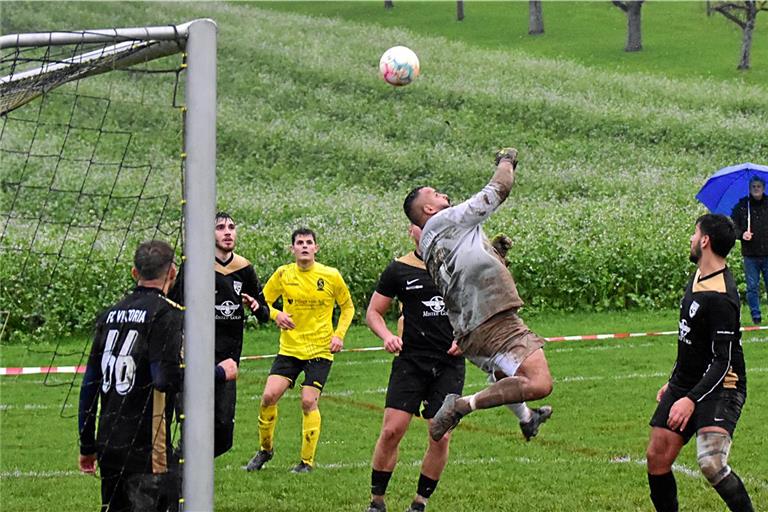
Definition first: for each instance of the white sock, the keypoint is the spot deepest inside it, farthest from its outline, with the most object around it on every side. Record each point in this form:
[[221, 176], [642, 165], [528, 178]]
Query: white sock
[[521, 410], [472, 405]]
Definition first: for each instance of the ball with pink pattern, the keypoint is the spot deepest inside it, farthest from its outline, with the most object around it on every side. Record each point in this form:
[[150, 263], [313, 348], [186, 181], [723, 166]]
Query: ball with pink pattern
[[399, 66]]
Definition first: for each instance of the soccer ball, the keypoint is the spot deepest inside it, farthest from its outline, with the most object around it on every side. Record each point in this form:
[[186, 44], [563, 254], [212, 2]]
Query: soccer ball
[[399, 66]]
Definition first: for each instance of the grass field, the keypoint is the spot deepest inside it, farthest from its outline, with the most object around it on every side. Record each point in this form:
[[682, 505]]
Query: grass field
[[613, 148], [588, 458], [611, 158], [678, 37]]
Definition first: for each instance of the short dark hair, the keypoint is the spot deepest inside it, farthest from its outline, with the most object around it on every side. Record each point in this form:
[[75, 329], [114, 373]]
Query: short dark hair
[[720, 230], [757, 179], [223, 215], [153, 259], [305, 232], [408, 206]]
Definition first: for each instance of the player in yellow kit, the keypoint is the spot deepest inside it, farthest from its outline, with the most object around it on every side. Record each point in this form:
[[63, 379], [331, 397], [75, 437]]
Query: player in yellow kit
[[307, 342]]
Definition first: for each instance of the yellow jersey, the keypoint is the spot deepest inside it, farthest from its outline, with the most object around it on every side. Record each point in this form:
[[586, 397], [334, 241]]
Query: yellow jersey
[[309, 297]]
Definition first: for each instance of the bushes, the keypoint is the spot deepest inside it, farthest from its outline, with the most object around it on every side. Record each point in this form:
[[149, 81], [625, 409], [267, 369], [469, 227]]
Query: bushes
[[309, 136]]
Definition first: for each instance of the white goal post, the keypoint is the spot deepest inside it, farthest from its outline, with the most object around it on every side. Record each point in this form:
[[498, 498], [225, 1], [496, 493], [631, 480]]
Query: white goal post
[[199, 40]]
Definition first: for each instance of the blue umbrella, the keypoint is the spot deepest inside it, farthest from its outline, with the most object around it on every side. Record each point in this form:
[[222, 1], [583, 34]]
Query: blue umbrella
[[723, 189]]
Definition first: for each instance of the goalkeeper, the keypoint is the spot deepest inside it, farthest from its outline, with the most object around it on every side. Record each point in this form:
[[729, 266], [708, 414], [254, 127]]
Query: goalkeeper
[[480, 296]]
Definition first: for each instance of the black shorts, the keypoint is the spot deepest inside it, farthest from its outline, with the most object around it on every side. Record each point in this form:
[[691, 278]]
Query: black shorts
[[128, 492], [315, 370], [419, 385], [721, 410]]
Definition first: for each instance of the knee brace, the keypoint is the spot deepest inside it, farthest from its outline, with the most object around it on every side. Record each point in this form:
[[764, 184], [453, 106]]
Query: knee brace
[[712, 449]]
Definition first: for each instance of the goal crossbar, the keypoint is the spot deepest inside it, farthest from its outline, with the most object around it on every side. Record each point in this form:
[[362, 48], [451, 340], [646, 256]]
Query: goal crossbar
[[162, 33]]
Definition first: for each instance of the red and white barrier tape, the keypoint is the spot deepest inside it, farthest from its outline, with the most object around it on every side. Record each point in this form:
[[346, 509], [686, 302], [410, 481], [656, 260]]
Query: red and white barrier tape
[[34, 370], [587, 337]]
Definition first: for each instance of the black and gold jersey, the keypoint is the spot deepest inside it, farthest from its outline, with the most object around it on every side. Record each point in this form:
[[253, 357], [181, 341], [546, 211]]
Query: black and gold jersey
[[134, 370], [234, 277], [426, 328], [709, 353]]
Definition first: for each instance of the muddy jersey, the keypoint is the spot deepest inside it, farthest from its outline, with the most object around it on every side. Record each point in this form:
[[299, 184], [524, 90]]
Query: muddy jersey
[[426, 330], [709, 353], [466, 269], [134, 371]]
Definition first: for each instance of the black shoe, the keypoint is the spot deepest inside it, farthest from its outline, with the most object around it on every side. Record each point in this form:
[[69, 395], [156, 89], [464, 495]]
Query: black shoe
[[302, 467], [376, 506], [416, 507], [756, 320], [258, 460], [538, 416]]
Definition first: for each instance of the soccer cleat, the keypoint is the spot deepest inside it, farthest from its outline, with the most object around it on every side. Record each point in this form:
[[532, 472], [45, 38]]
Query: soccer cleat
[[377, 506], [258, 460], [756, 320], [416, 507], [446, 418], [538, 416], [302, 467]]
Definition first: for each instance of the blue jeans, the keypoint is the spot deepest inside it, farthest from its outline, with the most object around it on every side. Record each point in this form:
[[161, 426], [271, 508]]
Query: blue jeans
[[753, 267]]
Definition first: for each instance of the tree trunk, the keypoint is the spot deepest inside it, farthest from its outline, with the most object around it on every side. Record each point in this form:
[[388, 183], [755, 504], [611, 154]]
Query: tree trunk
[[388, 4], [634, 28], [535, 18], [459, 10], [746, 39]]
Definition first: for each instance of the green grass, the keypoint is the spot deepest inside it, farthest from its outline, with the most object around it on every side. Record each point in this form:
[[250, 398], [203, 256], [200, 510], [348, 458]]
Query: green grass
[[309, 135], [679, 39], [587, 458]]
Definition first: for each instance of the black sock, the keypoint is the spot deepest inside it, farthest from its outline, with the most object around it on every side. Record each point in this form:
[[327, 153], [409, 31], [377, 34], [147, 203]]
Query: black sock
[[663, 492], [379, 482], [732, 490], [426, 486]]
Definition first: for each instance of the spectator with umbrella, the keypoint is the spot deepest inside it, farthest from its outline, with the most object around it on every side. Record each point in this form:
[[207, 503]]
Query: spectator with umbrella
[[739, 191]]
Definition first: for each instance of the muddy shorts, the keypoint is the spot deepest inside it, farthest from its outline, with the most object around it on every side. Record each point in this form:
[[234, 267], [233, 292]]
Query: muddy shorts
[[501, 343]]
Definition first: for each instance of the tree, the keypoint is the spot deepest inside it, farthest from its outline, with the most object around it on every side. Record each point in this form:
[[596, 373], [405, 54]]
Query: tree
[[459, 10], [634, 30], [535, 19], [743, 14]]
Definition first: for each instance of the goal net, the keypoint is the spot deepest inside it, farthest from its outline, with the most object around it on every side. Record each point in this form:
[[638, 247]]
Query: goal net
[[107, 139]]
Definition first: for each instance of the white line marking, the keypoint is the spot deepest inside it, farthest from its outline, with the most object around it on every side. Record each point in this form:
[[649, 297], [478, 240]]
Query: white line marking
[[688, 471]]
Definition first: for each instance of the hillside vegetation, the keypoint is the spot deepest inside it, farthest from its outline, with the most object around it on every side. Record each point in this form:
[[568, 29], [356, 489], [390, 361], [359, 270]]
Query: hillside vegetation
[[308, 134]]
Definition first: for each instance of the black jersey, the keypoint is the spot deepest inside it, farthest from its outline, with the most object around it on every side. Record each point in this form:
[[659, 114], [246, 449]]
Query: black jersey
[[709, 353], [426, 330], [134, 368], [233, 278]]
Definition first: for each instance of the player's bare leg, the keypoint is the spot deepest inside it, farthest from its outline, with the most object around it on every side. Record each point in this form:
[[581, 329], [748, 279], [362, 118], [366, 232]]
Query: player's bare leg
[[530, 420], [394, 427], [663, 449], [531, 381]]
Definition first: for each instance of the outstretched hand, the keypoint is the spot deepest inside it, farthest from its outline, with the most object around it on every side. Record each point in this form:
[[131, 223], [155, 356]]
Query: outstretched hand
[[509, 154]]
